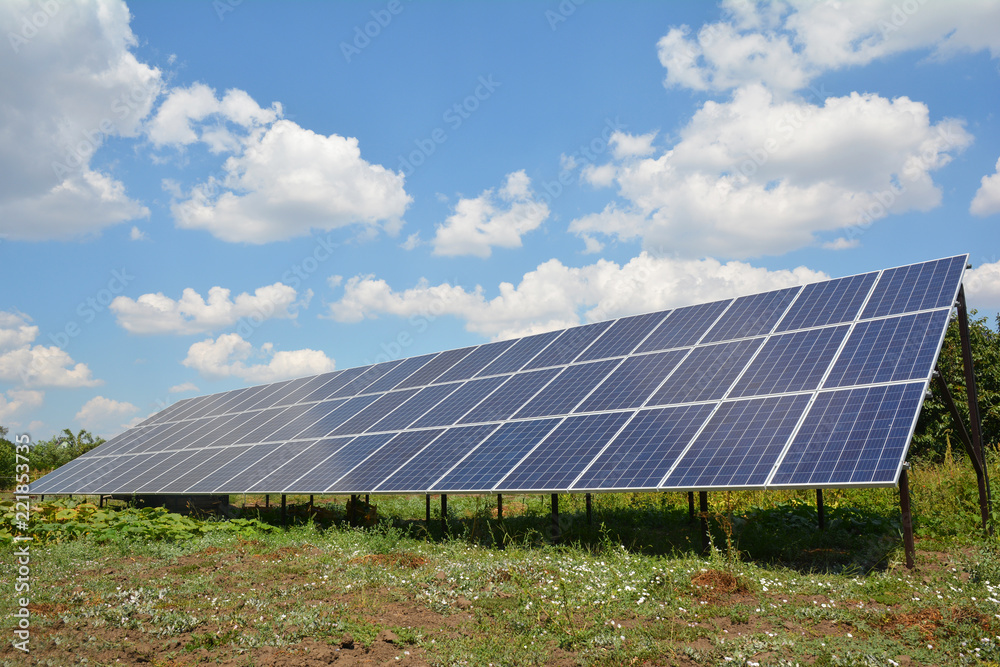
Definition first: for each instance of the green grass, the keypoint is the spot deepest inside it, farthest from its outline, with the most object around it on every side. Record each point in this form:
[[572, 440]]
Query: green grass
[[630, 587]]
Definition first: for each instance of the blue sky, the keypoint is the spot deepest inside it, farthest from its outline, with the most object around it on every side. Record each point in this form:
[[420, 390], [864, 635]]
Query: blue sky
[[204, 195]]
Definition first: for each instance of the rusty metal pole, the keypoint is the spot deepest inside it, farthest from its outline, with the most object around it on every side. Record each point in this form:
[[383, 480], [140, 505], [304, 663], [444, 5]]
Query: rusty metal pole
[[975, 425]]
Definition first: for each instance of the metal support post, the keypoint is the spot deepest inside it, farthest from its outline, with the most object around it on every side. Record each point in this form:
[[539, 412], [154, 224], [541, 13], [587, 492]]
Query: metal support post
[[706, 540], [427, 516], [690, 506], [284, 516], [975, 425], [904, 510], [499, 507], [555, 517], [820, 510], [590, 510], [444, 512]]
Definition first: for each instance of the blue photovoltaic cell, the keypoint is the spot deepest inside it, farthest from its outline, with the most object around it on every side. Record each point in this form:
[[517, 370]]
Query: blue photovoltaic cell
[[71, 470], [382, 406], [240, 405], [335, 466], [276, 456], [233, 399], [210, 429], [622, 337], [153, 443], [86, 479], [291, 428], [706, 373], [198, 407], [890, 350], [916, 287], [398, 374], [495, 456], [301, 391], [683, 326], [751, 315], [408, 412], [476, 361], [120, 478], [791, 362], [569, 388], [341, 412], [632, 382], [205, 461], [226, 454], [244, 427], [335, 381], [740, 444], [519, 354], [198, 457], [283, 473], [358, 384], [147, 439], [463, 400], [167, 413], [645, 450], [249, 459], [372, 471], [115, 444], [153, 477], [281, 417], [268, 397], [179, 438], [426, 466], [435, 367], [852, 436], [506, 400], [828, 302], [568, 345], [556, 462]]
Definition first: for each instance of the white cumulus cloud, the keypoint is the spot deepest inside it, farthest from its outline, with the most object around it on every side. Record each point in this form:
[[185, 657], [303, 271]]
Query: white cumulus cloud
[[491, 219], [987, 199], [288, 181], [183, 388], [104, 416], [192, 313], [229, 354], [36, 365], [555, 295], [756, 176], [982, 286], [16, 402], [68, 86]]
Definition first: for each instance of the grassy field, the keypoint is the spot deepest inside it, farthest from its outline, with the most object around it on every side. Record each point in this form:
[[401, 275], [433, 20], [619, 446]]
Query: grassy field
[[630, 588]]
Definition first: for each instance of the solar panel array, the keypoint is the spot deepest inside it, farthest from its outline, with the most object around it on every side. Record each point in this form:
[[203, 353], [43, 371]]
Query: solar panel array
[[811, 386]]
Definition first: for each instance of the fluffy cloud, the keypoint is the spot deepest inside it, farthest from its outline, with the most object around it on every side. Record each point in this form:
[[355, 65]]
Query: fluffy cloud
[[755, 175], [36, 365], [982, 286], [159, 314], [104, 416], [987, 199], [227, 356], [183, 388], [288, 181], [69, 85], [490, 219], [193, 114], [555, 296], [17, 402], [785, 46]]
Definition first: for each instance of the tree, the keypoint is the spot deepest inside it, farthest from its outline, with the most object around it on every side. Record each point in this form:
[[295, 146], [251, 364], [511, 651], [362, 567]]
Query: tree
[[61, 449], [6, 460], [935, 425]]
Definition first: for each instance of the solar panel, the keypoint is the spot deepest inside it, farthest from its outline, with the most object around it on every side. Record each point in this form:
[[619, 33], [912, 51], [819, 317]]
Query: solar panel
[[818, 385], [556, 462]]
